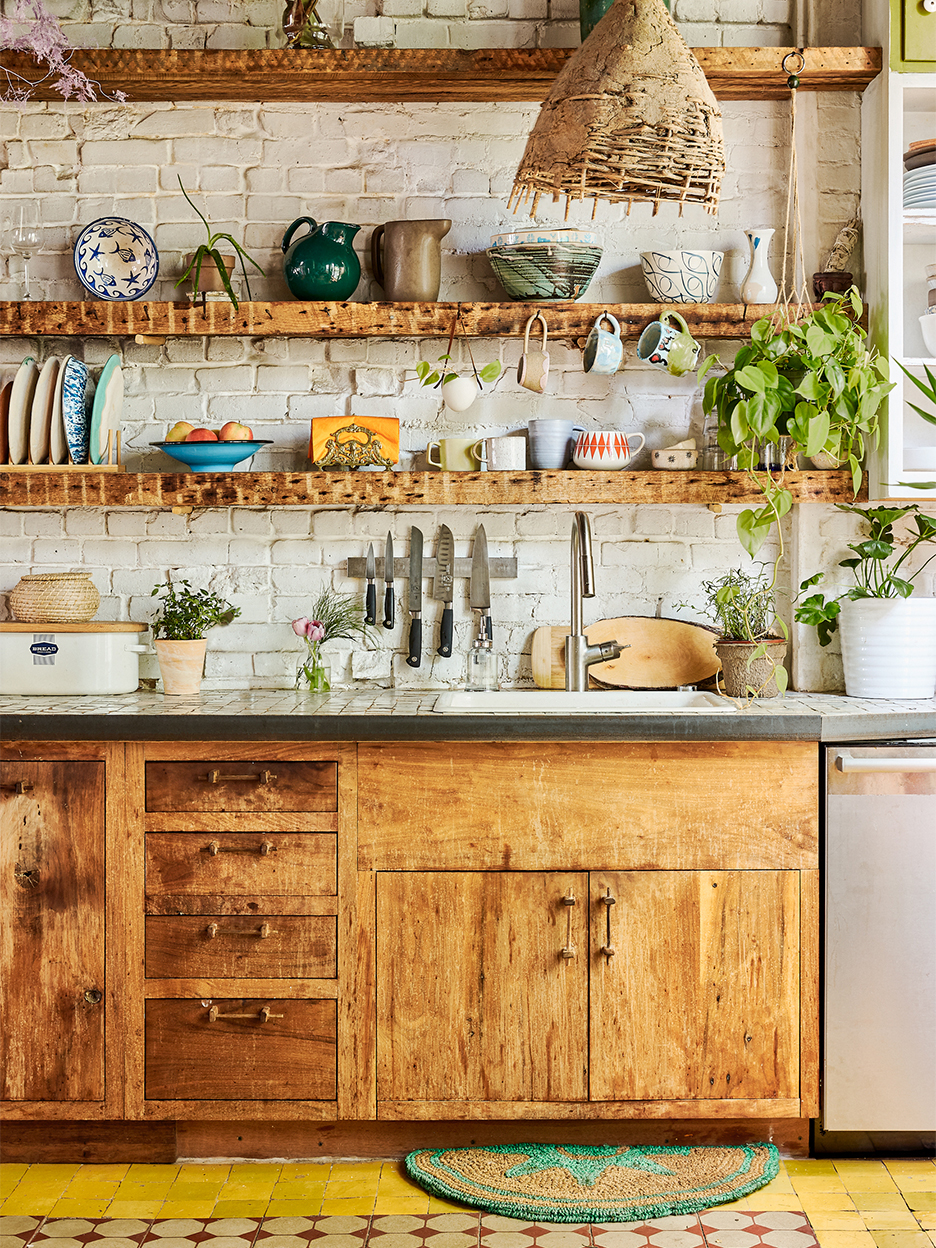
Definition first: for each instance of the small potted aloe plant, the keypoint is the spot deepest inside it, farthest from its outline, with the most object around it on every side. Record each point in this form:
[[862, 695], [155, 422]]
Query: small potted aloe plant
[[185, 615], [218, 268]]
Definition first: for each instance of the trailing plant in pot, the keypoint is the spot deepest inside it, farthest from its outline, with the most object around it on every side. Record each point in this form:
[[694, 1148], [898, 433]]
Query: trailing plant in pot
[[220, 266], [458, 393], [185, 615], [888, 637], [743, 608], [333, 616], [814, 382]]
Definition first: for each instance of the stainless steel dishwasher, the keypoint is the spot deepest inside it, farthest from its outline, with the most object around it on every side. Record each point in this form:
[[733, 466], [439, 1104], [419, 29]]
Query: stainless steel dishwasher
[[880, 938]]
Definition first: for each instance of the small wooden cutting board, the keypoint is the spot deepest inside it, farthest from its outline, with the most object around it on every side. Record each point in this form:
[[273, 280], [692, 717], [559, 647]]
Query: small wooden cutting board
[[663, 653]]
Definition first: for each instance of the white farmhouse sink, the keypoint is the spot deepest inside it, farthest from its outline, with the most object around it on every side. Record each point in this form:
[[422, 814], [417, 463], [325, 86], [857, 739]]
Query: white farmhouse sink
[[594, 702]]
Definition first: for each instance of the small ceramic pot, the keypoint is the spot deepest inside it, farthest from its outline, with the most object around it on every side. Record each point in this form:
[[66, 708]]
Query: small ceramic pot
[[674, 457], [743, 676], [459, 393], [181, 664], [209, 279], [838, 283], [603, 348]]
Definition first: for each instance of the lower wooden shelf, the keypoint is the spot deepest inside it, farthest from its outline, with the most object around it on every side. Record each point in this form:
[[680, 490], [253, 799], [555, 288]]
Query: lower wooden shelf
[[403, 489]]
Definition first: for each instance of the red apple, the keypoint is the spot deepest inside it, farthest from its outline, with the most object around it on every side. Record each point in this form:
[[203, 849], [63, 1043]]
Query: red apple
[[235, 432], [179, 431], [201, 435]]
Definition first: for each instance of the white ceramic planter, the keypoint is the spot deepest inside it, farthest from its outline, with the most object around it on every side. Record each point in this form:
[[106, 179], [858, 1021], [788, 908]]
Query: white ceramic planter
[[889, 647]]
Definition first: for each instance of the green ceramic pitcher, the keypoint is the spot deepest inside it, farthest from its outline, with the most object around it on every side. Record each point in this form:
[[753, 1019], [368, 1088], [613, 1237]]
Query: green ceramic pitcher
[[321, 264]]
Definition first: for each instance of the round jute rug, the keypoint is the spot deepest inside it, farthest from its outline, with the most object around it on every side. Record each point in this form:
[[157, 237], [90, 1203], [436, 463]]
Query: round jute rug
[[596, 1183]]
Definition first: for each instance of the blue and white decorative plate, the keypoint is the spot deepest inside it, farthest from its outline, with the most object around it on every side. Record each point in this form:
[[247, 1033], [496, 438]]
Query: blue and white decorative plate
[[76, 412], [116, 259]]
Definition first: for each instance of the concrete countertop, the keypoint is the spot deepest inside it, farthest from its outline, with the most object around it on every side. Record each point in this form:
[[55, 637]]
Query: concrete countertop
[[284, 715]]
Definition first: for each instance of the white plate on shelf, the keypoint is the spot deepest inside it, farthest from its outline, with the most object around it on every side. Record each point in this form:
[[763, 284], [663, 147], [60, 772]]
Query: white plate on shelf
[[105, 415], [5, 393], [21, 398], [40, 416], [76, 414]]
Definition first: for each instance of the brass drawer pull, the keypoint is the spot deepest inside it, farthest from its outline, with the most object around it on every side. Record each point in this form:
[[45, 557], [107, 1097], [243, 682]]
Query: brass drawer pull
[[263, 931], [263, 777], [608, 901], [264, 849], [265, 1014], [568, 949], [21, 786]]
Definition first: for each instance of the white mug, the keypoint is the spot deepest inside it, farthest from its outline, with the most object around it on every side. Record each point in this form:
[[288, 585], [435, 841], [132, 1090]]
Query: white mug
[[454, 455], [501, 454], [533, 368]]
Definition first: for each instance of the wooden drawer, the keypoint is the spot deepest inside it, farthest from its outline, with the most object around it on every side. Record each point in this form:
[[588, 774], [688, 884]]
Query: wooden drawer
[[242, 864], [231, 947], [561, 806], [225, 1051], [237, 785]]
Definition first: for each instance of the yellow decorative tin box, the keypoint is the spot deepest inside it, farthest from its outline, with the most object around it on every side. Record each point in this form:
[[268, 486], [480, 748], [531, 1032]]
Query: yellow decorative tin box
[[354, 441]]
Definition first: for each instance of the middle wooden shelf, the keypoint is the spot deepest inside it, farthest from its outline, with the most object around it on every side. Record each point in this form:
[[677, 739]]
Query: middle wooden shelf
[[293, 319]]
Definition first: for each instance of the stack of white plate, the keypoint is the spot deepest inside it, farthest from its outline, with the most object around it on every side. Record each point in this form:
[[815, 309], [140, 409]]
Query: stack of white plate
[[55, 415], [919, 185]]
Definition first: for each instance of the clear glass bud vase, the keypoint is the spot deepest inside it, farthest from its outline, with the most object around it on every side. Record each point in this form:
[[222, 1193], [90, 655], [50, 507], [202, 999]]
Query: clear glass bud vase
[[313, 674]]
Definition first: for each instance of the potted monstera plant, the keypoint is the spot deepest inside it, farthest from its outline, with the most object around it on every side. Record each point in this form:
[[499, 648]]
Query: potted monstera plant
[[810, 386]]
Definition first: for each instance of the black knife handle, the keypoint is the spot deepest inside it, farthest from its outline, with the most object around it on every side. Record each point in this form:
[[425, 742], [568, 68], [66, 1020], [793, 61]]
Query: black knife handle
[[415, 642], [388, 607], [370, 605], [487, 628], [446, 632]]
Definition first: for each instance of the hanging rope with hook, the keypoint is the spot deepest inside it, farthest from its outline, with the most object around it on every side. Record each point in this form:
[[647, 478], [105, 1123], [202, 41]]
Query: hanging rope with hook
[[794, 294]]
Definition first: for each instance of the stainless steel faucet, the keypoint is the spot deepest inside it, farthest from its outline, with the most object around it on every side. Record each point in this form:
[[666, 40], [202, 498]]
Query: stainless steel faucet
[[579, 655]]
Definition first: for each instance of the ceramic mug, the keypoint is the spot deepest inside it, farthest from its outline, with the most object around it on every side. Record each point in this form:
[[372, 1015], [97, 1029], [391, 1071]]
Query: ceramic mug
[[603, 349], [501, 454], [607, 449], [667, 347], [455, 454], [533, 368], [550, 442]]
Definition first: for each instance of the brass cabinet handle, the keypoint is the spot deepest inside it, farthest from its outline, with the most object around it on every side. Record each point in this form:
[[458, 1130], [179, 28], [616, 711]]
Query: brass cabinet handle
[[568, 949], [263, 777], [263, 1016], [21, 786], [264, 849], [263, 931], [608, 901], [93, 996]]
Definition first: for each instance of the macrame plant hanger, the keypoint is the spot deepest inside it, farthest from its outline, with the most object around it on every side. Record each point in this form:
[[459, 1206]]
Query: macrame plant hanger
[[793, 297]]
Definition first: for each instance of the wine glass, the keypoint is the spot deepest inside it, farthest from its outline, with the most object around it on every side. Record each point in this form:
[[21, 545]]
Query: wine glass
[[25, 238]]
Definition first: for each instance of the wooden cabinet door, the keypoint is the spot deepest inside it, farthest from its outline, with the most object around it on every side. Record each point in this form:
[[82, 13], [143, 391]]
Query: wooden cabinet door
[[701, 996], [475, 1000], [52, 935]]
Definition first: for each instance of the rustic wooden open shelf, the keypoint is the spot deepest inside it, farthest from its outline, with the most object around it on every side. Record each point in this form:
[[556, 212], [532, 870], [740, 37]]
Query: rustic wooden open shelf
[[401, 489], [358, 320], [414, 74]]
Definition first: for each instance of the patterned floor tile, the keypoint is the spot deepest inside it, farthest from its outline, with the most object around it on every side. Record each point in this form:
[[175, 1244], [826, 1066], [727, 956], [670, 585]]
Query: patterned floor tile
[[208, 1232], [775, 1228], [678, 1231], [499, 1232], [16, 1230], [323, 1232], [452, 1230]]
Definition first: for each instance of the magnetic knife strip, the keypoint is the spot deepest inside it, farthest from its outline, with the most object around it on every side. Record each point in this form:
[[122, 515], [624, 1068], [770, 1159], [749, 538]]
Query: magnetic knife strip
[[502, 568]]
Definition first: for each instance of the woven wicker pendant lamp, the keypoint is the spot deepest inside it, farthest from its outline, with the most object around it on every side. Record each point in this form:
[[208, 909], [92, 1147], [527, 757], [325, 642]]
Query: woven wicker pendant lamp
[[631, 118]]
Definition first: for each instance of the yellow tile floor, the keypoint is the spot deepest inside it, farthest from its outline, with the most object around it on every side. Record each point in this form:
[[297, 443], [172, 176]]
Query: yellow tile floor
[[850, 1203]]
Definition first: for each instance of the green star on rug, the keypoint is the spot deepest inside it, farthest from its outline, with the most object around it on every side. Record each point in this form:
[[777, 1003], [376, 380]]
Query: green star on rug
[[586, 1165]]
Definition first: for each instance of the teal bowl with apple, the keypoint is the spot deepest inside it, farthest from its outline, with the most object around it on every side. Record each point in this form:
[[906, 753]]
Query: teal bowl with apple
[[212, 456]]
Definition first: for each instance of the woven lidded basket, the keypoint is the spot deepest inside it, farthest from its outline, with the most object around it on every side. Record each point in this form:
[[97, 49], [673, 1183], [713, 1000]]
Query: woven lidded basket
[[55, 598]]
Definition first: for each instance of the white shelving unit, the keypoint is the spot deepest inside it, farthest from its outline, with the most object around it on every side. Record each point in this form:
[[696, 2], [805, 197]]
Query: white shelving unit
[[897, 109]]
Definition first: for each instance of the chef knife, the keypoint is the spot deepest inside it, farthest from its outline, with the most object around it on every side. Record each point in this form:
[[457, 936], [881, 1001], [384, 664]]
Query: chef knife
[[370, 599], [388, 581], [415, 598], [479, 594], [443, 588]]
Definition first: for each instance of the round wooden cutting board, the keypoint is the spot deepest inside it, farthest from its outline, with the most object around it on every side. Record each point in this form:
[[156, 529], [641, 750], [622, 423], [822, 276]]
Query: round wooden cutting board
[[663, 653]]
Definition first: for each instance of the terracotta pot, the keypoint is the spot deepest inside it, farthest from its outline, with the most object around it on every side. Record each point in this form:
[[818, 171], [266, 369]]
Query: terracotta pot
[[181, 664], [739, 672], [209, 278]]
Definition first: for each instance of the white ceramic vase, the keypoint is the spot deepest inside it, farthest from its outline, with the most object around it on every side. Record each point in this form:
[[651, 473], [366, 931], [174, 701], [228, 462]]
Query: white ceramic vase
[[889, 647], [759, 285]]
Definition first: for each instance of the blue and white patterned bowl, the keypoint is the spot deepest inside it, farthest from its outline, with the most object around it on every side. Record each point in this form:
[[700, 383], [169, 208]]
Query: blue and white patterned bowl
[[681, 276], [116, 259]]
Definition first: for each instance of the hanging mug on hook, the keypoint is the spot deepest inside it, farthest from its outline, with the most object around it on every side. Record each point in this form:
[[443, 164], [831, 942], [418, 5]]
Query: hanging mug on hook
[[603, 348], [533, 368]]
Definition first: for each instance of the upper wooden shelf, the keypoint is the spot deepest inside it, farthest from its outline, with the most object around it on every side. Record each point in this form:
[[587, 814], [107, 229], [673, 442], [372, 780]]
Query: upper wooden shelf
[[404, 74], [293, 319], [401, 489]]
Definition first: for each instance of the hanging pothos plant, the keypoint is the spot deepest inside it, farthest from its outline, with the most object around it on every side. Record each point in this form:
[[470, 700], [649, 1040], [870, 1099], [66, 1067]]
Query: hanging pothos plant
[[814, 380]]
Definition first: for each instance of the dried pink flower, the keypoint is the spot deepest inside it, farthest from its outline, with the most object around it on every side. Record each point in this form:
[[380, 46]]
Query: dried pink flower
[[44, 40]]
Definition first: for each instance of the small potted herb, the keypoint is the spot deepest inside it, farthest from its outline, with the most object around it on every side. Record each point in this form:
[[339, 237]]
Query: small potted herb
[[743, 608], [185, 615], [888, 637], [333, 616], [217, 275]]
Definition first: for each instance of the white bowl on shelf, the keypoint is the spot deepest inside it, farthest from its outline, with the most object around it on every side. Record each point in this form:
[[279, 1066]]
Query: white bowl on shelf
[[928, 326]]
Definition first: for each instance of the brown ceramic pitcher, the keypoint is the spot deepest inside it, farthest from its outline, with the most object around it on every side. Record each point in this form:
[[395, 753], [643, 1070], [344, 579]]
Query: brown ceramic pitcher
[[409, 264]]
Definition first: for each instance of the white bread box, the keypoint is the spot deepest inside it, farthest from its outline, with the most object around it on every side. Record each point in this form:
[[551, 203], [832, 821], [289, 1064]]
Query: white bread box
[[102, 656]]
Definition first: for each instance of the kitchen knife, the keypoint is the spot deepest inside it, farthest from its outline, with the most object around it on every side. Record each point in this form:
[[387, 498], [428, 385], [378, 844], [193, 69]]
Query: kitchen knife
[[479, 594], [443, 588], [370, 599], [415, 598], [388, 581]]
